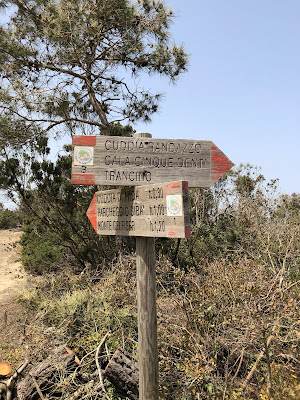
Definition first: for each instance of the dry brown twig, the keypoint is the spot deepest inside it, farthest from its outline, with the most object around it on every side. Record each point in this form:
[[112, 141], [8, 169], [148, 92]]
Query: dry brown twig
[[97, 362], [37, 387]]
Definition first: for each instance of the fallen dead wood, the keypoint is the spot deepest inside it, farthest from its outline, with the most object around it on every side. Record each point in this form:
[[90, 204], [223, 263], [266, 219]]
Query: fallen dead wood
[[46, 374], [37, 387], [255, 365], [122, 372], [43, 379]]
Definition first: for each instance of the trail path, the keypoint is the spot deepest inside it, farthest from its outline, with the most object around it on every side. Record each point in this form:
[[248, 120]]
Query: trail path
[[12, 276], [13, 316]]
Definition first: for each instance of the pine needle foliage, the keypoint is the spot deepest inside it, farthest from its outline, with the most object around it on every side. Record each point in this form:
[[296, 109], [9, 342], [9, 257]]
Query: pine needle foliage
[[71, 65]]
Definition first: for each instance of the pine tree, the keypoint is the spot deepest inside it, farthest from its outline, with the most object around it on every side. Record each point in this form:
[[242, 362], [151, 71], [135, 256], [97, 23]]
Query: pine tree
[[72, 65]]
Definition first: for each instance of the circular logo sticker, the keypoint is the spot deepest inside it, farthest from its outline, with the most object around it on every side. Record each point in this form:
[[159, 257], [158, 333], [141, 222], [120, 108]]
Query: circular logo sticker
[[84, 155], [174, 205]]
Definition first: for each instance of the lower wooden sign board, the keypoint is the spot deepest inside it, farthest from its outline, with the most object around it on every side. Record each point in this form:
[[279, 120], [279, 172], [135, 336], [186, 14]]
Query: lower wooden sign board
[[159, 210]]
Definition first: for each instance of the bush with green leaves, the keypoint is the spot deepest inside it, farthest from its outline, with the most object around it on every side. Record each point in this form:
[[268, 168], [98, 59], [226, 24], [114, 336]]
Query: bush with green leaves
[[10, 218], [58, 231]]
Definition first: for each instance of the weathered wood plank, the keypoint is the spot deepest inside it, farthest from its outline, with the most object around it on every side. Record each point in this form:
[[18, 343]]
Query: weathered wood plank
[[160, 210], [122, 161], [147, 314], [147, 318]]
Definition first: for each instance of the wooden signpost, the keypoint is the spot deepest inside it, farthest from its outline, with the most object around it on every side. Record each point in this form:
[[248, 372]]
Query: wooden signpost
[[149, 210], [123, 161], [147, 206]]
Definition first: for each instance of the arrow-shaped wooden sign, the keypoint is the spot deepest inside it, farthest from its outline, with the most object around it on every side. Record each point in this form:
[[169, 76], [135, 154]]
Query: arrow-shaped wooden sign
[[159, 210], [127, 161]]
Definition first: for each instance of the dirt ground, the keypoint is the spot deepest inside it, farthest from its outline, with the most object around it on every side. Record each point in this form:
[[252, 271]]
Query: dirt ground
[[13, 280], [12, 276]]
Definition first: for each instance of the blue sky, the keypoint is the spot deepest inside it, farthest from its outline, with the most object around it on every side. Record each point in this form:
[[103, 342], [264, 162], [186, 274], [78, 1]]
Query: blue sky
[[242, 90]]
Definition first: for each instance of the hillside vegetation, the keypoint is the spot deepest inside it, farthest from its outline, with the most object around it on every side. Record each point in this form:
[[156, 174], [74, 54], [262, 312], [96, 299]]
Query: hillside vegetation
[[228, 299]]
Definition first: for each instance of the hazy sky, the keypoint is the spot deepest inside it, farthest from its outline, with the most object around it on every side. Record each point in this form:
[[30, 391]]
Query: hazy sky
[[242, 90]]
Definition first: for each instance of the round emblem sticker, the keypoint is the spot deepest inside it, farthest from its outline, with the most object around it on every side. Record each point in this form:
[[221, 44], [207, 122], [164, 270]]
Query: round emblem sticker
[[84, 156], [174, 205]]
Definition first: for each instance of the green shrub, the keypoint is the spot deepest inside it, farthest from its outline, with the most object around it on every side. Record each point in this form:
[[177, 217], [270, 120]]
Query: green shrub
[[10, 219], [39, 254]]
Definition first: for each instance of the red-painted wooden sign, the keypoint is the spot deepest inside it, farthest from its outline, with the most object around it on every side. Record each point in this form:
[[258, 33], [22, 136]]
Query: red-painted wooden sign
[[150, 210], [123, 161]]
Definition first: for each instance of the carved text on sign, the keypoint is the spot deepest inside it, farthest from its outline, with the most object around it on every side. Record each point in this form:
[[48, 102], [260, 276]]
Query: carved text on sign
[[151, 210], [125, 161]]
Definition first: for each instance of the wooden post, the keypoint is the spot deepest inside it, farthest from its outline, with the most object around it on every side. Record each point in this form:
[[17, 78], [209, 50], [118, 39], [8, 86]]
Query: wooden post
[[147, 315]]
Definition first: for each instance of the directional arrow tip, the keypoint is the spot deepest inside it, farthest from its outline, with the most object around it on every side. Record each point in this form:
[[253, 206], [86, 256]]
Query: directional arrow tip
[[92, 213], [219, 163]]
